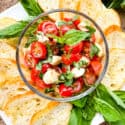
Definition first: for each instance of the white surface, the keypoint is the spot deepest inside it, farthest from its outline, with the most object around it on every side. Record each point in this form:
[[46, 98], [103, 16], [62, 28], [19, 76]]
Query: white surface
[[18, 13]]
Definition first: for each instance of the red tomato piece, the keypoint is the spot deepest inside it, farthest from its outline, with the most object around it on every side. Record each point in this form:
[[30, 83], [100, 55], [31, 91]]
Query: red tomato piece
[[67, 48], [34, 74], [65, 28], [48, 27], [76, 22], [96, 66], [77, 48], [29, 60], [75, 57], [64, 70], [78, 85], [65, 91], [67, 19], [45, 67], [38, 50], [66, 60], [41, 84], [93, 38], [90, 77]]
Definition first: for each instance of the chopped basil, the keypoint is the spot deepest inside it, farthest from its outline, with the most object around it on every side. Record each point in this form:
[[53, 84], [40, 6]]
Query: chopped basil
[[67, 78], [39, 65], [80, 64], [94, 51], [48, 90], [90, 29], [41, 75]]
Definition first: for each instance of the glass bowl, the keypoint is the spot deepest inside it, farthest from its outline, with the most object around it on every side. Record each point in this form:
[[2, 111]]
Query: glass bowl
[[21, 44]]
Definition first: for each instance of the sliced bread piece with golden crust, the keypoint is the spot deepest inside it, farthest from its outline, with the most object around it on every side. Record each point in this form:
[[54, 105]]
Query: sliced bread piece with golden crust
[[21, 108], [69, 4], [8, 69], [115, 76], [11, 88], [59, 115], [47, 5], [7, 51], [116, 39]]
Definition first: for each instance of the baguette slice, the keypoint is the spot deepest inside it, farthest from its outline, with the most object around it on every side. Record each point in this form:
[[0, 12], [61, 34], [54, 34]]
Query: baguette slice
[[116, 39], [69, 4], [8, 70], [47, 5], [11, 88], [115, 76], [7, 51], [21, 108], [59, 115]]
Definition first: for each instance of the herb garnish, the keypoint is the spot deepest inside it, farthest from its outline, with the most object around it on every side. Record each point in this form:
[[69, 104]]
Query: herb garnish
[[94, 51]]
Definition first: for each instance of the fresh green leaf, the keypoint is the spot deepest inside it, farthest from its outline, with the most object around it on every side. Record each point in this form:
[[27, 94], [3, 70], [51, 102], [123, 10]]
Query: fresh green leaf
[[71, 37], [32, 7], [91, 30], [107, 110], [121, 122], [89, 110], [76, 117], [48, 90], [13, 30], [80, 102], [80, 64], [120, 94], [94, 51], [39, 65], [118, 100]]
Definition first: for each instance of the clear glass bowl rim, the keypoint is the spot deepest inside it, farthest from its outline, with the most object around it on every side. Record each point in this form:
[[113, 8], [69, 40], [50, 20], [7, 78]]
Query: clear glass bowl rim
[[81, 95]]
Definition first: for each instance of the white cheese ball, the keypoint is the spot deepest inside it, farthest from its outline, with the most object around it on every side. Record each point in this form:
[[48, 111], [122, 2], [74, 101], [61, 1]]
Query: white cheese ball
[[51, 76], [78, 72], [56, 60]]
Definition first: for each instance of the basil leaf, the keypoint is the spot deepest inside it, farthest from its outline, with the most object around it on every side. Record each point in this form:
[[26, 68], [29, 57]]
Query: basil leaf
[[76, 117], [107, 110], [118, 100], [32, 7], [41, 75], [121, 122], [91, 30], [13, 30], [80, 103], [120, 94], [39, 65], [71, 37], [94, 51], [48, 90]]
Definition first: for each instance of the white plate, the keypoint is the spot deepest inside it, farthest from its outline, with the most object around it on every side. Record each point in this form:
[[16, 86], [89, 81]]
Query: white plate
[[18, 13]]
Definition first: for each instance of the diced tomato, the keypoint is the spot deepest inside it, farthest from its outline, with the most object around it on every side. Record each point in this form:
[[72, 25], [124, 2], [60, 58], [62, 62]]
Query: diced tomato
[[45, 67], [77, 48], [76, 22], [65, 28], [96, 65], [96, 58], [78, 85], [38, 50], [48, 27], [64, 70], [41, 84], [34, 74], [93, 38], [29, 60], [67, 19], [90, 77], [86, 48], [65, 91], [66, 60], [67, 48], [75, 57]]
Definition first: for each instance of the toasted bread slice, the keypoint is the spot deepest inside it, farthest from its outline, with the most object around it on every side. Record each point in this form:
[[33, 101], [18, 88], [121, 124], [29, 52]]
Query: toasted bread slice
[[7, 51], [21, 108], [69, 4], [8, 69], [58, 115], [116, 39], [92, 8], [115, 76], [47, 5], [11, 88]]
